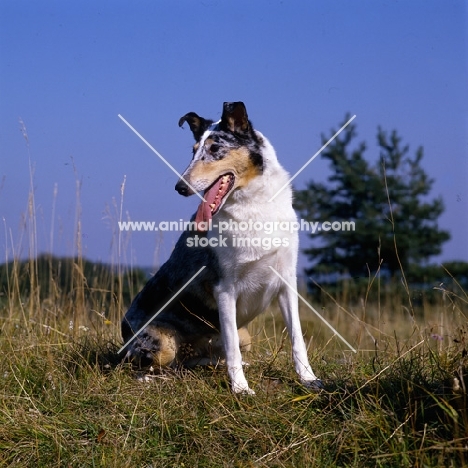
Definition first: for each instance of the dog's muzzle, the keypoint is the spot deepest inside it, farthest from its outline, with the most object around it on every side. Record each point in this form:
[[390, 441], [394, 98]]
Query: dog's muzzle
[[182, 188]]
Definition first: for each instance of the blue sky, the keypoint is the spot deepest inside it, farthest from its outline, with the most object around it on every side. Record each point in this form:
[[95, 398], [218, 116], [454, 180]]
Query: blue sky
[[67, 69]]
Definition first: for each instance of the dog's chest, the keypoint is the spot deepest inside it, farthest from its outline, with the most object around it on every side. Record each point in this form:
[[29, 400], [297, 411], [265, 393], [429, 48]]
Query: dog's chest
[[247, 233], [254, 284]]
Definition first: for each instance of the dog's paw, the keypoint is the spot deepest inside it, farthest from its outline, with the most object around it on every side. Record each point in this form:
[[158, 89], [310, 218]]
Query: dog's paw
[[314, 385], [242, 389]]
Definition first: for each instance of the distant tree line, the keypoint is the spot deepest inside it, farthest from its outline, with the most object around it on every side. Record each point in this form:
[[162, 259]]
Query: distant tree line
[[396, 222], [60, 278]]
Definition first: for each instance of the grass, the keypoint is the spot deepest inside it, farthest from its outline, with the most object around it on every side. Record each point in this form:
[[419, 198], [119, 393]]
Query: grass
[[66, 400]]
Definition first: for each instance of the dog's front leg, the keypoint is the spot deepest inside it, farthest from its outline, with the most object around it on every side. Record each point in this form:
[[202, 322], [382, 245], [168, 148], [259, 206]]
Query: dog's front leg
[[227, 318], [288, 303]]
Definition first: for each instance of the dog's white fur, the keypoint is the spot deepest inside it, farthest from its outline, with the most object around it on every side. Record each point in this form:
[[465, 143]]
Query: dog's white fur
[[250, 285]]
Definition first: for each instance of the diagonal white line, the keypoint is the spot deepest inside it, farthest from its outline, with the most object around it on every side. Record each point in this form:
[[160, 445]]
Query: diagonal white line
[[312, 158], [160, 157], [313, 310], [162, 308]]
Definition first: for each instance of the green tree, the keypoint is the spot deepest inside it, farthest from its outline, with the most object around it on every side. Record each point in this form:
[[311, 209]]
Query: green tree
[[395, 222]]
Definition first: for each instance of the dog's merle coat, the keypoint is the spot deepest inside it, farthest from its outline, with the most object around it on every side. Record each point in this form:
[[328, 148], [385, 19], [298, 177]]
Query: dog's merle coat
[[224, 136], [237, 169]]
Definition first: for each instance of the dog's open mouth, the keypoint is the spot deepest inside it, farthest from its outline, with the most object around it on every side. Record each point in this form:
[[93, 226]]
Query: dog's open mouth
[[214, 196]]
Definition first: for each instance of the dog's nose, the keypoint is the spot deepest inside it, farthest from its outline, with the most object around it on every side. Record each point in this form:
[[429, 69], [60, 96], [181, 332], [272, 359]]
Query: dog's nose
[[182, 188]]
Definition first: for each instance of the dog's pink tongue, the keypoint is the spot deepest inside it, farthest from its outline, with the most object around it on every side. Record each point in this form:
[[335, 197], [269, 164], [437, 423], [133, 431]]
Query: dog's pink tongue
[[203, 213]]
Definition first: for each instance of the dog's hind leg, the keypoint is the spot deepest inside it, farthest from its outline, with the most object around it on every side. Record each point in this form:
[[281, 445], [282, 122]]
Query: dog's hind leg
[[245, 340], [154, 346]]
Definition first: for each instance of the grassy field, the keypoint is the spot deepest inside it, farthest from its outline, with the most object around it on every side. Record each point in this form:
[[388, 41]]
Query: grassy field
[[67, 401]]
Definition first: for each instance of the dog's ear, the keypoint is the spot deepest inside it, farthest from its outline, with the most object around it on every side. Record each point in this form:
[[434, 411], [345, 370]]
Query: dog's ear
[[197, 124], [235, 118]]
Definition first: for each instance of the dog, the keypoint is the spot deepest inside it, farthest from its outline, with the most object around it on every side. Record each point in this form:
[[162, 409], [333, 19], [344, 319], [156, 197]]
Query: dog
[[236, 168]]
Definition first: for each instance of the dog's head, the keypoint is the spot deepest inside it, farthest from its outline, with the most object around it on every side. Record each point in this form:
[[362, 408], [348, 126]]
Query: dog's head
[[226, 156]]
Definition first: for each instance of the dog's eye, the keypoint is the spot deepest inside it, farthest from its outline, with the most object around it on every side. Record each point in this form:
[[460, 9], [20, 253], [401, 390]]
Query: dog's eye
[[214, 148]]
